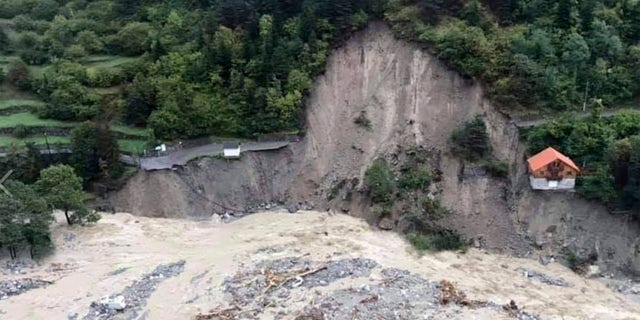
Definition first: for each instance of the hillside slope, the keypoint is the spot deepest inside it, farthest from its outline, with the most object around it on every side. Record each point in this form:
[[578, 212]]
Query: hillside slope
[[410, 98]]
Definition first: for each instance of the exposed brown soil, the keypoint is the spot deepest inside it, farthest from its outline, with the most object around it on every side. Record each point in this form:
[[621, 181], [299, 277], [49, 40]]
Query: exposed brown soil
[[409, 98]]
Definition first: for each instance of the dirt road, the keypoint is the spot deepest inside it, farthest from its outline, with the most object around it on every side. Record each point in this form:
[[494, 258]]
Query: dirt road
[[522, 123], [96, 261]]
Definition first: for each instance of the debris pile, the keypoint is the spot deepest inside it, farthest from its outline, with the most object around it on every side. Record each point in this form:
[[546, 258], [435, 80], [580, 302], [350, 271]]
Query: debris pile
[[280, 288], [560, 282], [18, 266], [15, 287], [128, 303]]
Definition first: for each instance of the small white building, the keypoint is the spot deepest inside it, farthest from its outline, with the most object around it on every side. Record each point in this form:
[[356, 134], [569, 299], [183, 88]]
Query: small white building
[[231, 150], [551, 170]]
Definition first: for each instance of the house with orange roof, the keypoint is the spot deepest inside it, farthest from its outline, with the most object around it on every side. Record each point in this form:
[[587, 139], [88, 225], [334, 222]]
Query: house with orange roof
[[552, 170]]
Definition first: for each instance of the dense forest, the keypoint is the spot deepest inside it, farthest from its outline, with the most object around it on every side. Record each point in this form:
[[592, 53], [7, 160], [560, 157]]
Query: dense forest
[[232, 67], [97, 74], [554, 55], [205, 67]]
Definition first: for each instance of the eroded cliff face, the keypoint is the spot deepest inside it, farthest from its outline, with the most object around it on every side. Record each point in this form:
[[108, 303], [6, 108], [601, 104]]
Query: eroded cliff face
[[410, 98]]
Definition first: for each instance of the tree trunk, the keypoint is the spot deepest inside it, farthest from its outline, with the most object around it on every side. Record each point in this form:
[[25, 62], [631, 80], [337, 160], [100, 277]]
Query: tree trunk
[[66, 215]]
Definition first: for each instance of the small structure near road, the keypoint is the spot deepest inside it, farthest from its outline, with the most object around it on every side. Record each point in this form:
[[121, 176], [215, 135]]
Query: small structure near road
[[231, 150], [551, 170]]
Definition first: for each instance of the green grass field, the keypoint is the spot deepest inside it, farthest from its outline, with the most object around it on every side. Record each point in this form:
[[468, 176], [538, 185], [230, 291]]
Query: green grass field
[[127, 146], [10, 103], [132, 146], [6, 141], [107, 61], [31, 120], [131, 131]]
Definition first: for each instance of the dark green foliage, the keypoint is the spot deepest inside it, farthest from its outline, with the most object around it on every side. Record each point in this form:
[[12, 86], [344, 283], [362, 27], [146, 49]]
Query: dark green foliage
[[18, 75], [432, 208], [558, 55], [444, 241], [205, 67], [379, 182], [24, 221], [607, 149], [95, 152], [496, 168], [4, 41], [63, 86], [471, 141], [62, 189], [26, 164], [362, 120], [415, 177], [21, 131]]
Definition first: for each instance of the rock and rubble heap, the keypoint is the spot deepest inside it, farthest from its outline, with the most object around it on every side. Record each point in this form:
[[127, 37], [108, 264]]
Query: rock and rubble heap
[[128, 303], [273, 287], [535, 275], [20, 286]]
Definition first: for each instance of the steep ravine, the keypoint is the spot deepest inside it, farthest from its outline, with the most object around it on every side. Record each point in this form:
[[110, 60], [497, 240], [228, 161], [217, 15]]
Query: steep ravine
[[410, 98]]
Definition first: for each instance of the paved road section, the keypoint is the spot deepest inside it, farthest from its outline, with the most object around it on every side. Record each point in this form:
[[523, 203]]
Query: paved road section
[[181, 157]]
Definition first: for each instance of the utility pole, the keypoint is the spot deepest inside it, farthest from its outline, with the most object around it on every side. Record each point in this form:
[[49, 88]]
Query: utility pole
[[46, 140], [6, 176], [586, 93]]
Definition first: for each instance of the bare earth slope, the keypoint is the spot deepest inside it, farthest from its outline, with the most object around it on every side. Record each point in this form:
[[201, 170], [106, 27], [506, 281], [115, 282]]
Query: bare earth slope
[[101, 260], [410, 98]]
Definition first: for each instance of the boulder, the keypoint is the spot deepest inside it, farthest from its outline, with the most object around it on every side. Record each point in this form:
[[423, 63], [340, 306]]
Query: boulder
[[292, 208], [593, 271], [116, 303], [387, 224]]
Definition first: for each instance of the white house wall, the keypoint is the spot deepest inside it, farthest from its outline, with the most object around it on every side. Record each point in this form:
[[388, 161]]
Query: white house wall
[[232, 153], [543, 184]]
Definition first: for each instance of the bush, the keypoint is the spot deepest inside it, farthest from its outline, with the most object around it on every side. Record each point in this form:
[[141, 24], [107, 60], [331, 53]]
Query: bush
[[103, 77], [362, 120], [416, 178], [471, 141], [21, 131], [443, 241], [432, 208], [132, 39], [18, 75], [75, 52], [24, 23], [496, 168], [379, 181], [90, 41]]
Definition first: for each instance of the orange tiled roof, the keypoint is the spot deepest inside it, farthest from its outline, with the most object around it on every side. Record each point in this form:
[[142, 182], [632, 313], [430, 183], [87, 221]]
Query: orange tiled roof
[[547, 156]]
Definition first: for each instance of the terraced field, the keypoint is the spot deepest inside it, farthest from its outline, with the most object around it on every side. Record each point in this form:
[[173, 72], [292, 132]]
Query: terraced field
[[19, 109]]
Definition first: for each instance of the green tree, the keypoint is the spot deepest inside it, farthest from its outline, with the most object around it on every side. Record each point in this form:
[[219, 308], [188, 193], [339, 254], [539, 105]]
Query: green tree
[[95, 151], [132, 39], [90, 41], [24, 221], [380, 182], [471, 141], [62, 189], [18, 75], [564, 18], [4, 41]]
